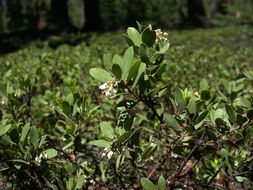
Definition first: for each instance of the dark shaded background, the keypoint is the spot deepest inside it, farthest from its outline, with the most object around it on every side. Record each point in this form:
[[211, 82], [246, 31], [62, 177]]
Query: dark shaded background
[[24, 20]]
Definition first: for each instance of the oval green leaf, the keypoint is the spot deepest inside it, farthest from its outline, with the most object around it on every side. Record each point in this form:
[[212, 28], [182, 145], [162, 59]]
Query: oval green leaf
[[147, 184], [107, 130], [100, 143], [101, 74], [148, 37], [161, 183], [51, 153], [134, 35]]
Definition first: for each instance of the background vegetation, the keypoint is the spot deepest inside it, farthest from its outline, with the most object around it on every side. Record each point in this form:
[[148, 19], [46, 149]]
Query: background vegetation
[[185, 122]]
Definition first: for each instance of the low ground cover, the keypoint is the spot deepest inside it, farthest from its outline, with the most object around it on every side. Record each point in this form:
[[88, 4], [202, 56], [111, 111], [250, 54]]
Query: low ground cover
[[52, 113]]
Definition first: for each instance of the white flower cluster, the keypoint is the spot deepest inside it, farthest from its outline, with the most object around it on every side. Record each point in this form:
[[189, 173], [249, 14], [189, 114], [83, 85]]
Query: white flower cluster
[[4, 100], [108, 88], [161, 36], [40, 157], [107, 153]]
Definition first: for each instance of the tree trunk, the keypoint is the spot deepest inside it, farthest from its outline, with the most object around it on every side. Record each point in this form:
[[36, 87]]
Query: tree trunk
[[135, 12], [218, 6], [92, 16], [82, 13], [59, 14], [196, 12]]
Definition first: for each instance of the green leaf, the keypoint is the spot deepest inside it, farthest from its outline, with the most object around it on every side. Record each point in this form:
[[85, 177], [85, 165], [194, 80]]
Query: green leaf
[[14, 135], [124, 137], [143, 52], [118, 59], [51, 153], [19, 161], [164, 47], [107, 60], [134, 35], [107, 130], [118, 161], [9, 89], [80, 181], [135, 136], [4, 129], [125, 121], [203, 85], [128, 40], [100, 143], [201, 117], [225, 154], [128, 61], [205, 95], [149, 151], [192, 106], [242, 102], [101, 74], [25, 131], [140, 26], [231, 114], [141, 70], [160, 70], [159, 59], [42, 141], [134, 71], [250, 114], [180, 99], [172, 122], [161, 183], [116, 70], [70, 99], [148, 37], [147, 184], [126, 104], [34, 135]]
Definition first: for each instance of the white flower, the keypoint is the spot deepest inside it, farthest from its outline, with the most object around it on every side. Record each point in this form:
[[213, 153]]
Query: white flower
[[103, 86], [40, 157], [109, 154], [45, 156], [107, 93], [37, 160], [103, 154], [161, 36], [4, 100], [108, 88]]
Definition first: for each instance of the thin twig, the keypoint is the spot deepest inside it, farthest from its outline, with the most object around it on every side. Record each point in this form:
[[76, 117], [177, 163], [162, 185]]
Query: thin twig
[[190, 154], [80, 166], [148, 103], [158, 166], [214, 176], [172, 179], [119, 178]]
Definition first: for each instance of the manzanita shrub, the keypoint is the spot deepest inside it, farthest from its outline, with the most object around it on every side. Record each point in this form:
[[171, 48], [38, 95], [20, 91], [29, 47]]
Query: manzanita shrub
[[131, 131], [169, 140]]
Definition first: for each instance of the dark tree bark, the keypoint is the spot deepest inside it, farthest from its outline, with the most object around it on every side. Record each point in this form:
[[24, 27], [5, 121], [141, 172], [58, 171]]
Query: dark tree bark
[[14, 12], [92, 16], [59, 14], [196, 12], [135, 12], [218, 6]]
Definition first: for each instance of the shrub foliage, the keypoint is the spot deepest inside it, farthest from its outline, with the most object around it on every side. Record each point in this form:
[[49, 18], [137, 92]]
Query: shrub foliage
[[127, 128]]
